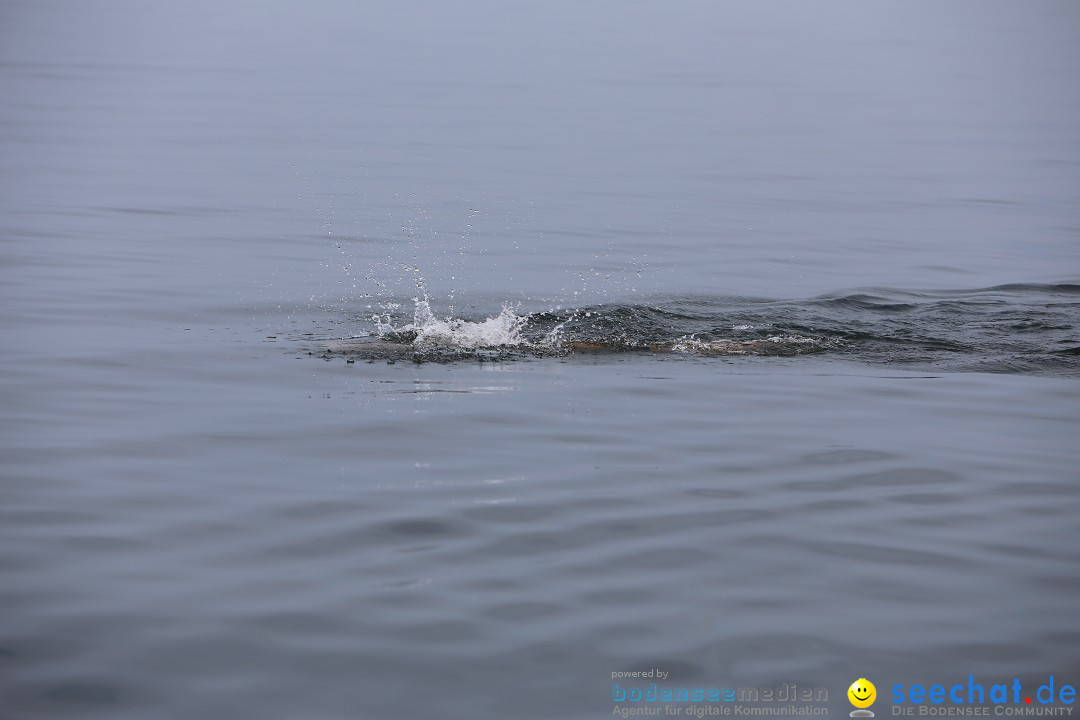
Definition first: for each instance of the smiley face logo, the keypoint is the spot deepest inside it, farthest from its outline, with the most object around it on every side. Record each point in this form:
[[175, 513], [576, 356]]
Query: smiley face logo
[[862, 694]]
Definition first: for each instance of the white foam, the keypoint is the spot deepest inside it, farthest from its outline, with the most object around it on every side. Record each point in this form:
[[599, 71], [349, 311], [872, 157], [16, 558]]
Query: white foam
[[503, 330], [691, 344]]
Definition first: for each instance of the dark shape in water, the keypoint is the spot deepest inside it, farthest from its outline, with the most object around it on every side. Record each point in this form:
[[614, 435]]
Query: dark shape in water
[[1005, 329], [381, 348]]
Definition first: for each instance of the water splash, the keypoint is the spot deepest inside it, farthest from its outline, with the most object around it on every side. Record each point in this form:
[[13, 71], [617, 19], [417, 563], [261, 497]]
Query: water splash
[[432, 332], [1006, 329], [430, 336]]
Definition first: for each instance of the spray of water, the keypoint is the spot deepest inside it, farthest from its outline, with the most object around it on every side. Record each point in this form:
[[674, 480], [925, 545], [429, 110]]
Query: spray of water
[[501, 331]]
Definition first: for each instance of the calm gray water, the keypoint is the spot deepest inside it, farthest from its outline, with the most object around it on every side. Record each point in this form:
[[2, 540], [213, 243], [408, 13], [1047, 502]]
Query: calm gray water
[[244, 475]]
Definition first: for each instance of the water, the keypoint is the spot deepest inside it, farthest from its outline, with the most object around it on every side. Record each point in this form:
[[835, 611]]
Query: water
[[1006, 329], [441, 360]]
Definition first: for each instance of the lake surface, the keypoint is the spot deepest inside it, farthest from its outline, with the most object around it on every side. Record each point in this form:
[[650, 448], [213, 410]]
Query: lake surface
[[386, 360]]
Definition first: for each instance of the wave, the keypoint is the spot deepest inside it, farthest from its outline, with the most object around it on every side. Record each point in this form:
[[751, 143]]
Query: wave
[[1006, 328]]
